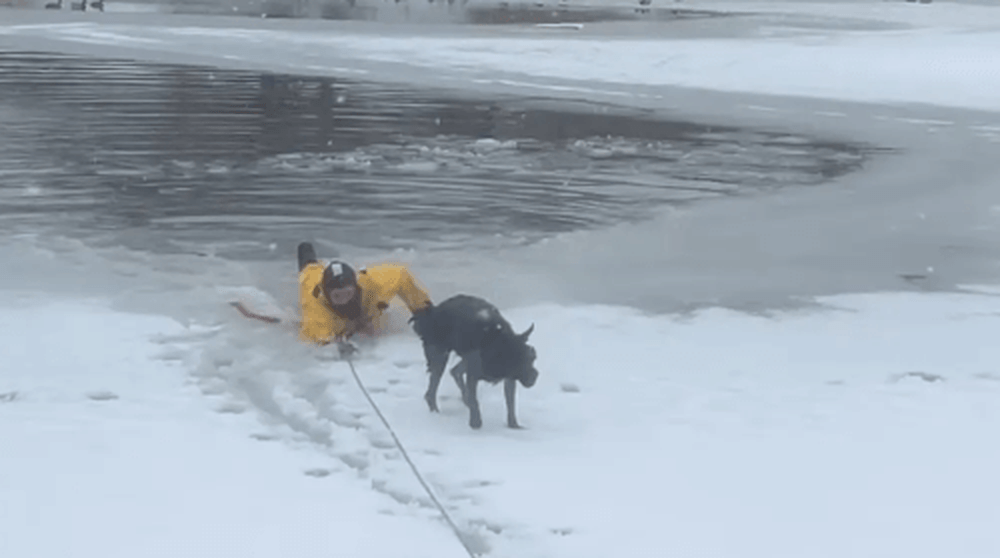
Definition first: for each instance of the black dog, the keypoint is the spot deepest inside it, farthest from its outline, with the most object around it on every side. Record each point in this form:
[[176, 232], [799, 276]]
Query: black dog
[[487, 346]]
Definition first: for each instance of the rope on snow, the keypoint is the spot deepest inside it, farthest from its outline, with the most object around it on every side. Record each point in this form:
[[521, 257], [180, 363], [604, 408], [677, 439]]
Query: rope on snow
[[413, 467]]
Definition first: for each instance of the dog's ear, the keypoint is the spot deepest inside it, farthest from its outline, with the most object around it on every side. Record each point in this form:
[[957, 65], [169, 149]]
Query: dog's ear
[[524, 336]]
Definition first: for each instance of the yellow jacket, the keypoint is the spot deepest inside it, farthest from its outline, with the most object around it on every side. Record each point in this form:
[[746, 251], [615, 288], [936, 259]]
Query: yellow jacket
[[379, 284]]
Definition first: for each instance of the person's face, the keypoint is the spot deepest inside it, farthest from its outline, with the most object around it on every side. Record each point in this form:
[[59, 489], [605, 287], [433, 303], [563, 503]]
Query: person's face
[[341, 296]]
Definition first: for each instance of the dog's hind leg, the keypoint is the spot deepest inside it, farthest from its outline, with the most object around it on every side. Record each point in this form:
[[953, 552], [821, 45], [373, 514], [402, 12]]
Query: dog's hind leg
[[473, 372], [472, 400], [509, 389], [437, 359], [307, 255], [458, 372]]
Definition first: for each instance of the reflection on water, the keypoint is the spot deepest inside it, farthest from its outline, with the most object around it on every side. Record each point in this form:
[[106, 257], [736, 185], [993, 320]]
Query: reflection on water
[[166, 157]]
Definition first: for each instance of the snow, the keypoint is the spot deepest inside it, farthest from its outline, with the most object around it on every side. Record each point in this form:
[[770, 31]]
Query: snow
[[716, 434], [776, 432], [950, 70], [109, 449]]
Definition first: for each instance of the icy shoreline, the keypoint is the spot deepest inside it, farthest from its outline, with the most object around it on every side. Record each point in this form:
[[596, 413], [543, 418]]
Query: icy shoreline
[[946, 64]]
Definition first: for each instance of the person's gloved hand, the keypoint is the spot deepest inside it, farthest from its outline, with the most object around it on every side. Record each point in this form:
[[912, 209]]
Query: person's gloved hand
[[346, 349], [422, 321]]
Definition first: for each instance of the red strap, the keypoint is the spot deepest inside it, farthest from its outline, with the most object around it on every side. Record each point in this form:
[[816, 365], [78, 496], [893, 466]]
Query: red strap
[[243, 310]]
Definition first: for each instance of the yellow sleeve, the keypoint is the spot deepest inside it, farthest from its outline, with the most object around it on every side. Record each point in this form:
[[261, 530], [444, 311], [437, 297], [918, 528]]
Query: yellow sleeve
[[398, 281], [319, 324]]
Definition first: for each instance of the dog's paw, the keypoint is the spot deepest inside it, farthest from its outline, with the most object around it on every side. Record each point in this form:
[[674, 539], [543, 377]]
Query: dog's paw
[[515, 426], [431, 403], [476, 422]]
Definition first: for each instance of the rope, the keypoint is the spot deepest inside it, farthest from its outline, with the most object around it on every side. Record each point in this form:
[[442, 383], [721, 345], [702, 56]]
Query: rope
[[406, 456]]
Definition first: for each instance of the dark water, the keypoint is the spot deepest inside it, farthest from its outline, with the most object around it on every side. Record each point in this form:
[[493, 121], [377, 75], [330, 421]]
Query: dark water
[[182, 158]]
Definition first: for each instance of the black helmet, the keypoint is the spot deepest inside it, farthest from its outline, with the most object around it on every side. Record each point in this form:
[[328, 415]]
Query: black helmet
[[339, 274]]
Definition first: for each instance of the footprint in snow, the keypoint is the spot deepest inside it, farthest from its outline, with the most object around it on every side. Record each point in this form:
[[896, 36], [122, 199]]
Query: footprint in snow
[[399, 496], [494, 528], [231, 409], [102, 396], [8, 397], [479, 483], [318, 473], [382, 443], [925, 376], [355, 461], [404, 363], [562, 531], [173, 355], [213, 390], [222, 363], [569, 388]]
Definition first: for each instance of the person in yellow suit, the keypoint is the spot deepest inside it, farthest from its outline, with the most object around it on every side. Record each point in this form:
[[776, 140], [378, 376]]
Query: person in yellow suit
[[337, 302]]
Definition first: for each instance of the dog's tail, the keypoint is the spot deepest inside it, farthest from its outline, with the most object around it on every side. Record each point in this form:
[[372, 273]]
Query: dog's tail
[[425, 325]]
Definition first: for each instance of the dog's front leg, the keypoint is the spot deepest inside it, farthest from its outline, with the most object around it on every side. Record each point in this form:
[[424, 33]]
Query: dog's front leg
[[432, 387], [509, 389], [458, 372], [437, 359], [472, 400], [473, 366]]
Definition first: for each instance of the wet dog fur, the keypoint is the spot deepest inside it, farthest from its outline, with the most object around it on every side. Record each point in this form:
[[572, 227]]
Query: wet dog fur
[[488, 349]]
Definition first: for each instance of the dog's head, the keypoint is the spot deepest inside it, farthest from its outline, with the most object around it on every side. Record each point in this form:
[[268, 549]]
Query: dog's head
[[508, 355]]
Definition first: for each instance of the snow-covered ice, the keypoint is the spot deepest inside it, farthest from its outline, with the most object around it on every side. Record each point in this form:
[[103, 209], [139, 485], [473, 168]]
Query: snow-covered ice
[[109, 450], [861, 426], [862, 429]]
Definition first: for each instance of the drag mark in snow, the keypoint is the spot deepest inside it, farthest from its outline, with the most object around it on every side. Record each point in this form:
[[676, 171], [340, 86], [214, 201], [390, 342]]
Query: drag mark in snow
[[8, 397], [308, 400]]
